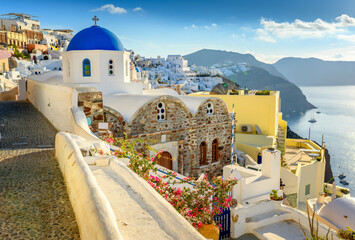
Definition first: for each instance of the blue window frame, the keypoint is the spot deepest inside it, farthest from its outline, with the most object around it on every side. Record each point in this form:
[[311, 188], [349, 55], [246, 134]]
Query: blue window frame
[[86, 68]]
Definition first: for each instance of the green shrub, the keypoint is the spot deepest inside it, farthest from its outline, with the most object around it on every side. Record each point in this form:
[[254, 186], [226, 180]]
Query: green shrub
[[274, 196], [344, 191], [263, 92], [347, 234]]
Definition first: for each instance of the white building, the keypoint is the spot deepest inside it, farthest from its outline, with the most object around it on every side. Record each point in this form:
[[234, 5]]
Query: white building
[[178, 63], [19, 21]]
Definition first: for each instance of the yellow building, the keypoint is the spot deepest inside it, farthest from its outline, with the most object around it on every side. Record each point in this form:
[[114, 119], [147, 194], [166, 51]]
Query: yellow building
[[17, 38], [259, 123]]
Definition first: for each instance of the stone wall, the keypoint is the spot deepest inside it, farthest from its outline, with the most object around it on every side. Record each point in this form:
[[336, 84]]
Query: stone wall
[[91, 103], [208, 128], [117, 127], [180, 125]]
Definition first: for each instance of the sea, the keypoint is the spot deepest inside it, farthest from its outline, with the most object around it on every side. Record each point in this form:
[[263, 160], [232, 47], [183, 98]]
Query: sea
[[336, 121]]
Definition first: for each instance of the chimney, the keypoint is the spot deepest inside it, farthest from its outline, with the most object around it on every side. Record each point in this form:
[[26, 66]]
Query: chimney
[[320, 199], [271, 163]]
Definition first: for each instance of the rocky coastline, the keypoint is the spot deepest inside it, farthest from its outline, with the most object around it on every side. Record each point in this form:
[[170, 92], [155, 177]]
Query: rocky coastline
[[328, 175]]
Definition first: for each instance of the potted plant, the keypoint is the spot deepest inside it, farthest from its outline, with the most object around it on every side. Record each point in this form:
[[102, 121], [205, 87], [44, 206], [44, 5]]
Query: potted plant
[[344, 191], [275, 197]]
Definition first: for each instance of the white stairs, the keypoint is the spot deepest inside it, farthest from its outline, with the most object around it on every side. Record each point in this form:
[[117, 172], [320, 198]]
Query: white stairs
[[263, 215]]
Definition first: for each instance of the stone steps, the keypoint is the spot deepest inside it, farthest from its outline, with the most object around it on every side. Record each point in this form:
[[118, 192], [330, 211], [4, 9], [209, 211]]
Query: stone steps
[[268, 218], [282, 230]]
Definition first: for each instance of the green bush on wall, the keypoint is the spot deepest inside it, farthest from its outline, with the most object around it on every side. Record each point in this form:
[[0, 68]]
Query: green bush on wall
[[263, 92]]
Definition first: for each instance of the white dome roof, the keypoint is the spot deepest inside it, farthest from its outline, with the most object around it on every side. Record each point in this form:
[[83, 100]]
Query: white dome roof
[[340, 212]]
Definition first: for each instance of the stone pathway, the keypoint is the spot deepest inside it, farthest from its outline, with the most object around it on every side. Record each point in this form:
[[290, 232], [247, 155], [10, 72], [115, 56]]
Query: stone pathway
[[34, 203]]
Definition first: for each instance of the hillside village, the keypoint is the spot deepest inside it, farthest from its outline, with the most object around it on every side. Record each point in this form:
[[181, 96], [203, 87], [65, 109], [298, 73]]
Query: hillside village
[[96, 107]]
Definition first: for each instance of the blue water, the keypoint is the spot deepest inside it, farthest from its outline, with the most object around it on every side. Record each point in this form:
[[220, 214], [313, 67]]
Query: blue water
[[336, 122]]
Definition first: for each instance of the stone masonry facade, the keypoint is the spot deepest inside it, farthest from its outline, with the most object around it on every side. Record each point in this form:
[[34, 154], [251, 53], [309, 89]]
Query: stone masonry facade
[[188, 129], [180, 125], [92, 105]]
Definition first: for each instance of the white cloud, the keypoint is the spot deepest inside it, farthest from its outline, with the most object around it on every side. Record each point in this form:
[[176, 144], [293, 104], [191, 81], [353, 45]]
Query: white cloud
[[263, 35], [302, 29], [111, 9], [191, 26], [349, 38], [338, 56], [137, 9], [213, 25]]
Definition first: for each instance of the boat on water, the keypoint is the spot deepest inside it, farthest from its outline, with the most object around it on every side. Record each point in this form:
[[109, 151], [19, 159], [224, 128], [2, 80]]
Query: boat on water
[[312, 120], [342, 176], [344, 182]]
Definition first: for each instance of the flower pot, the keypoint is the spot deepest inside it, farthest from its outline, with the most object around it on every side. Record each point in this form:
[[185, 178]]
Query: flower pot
[[209, 231], [279, 199]]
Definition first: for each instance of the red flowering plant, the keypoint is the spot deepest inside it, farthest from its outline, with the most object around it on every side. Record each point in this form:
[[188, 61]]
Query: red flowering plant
[[198, 201]]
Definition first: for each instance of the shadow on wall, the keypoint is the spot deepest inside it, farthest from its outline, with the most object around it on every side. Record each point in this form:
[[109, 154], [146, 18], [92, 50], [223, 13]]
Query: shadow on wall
[[9, 95]]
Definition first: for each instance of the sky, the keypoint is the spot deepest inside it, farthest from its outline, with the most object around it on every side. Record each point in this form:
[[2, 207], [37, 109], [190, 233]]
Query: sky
[[270, 30]]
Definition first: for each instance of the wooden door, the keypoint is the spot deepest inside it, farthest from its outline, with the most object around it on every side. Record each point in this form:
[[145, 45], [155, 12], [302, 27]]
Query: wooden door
[[165, 160]]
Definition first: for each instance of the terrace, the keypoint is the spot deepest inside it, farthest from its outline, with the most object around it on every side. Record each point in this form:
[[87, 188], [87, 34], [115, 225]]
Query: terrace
[[301, 151]]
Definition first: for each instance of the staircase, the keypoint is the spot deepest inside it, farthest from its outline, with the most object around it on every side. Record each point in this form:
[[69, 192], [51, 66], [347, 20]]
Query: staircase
[[281, 138], [264, 215]]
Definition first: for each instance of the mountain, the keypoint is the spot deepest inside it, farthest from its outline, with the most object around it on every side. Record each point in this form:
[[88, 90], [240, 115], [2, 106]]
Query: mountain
[[292, 99], [209, 57], [316, 72], [248, 72]]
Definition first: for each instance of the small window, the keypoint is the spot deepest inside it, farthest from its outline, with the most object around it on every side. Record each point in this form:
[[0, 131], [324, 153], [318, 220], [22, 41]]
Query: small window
[[161, 112], [307, 189], [203, 154], [209, 109], [86, 68], [111, 68]]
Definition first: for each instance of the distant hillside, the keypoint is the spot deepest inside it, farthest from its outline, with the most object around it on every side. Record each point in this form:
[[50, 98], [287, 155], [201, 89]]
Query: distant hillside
[[209, 57], [316, 72], [292, 99], [258, 75]]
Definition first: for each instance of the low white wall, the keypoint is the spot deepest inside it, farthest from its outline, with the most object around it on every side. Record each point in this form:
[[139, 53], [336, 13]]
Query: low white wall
[[93, 212], [290, 180], [55, 102], [313, 175]]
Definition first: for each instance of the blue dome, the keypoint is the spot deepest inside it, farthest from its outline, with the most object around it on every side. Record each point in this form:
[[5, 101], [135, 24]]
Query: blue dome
[[95, 38]]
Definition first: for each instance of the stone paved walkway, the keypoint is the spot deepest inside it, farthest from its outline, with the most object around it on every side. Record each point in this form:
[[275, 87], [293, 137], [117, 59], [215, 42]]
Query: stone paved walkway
[[34, 203]]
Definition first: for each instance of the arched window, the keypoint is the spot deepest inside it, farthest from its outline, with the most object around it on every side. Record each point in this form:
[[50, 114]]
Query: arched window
[[203, 154], [126, 67], [86, 68], [111, 68], [215, 150], [209, 109], [161, 111]]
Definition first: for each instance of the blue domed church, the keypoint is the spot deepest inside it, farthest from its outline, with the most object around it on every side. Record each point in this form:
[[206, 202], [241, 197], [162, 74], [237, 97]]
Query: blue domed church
[[96, 56], [194, 133]]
